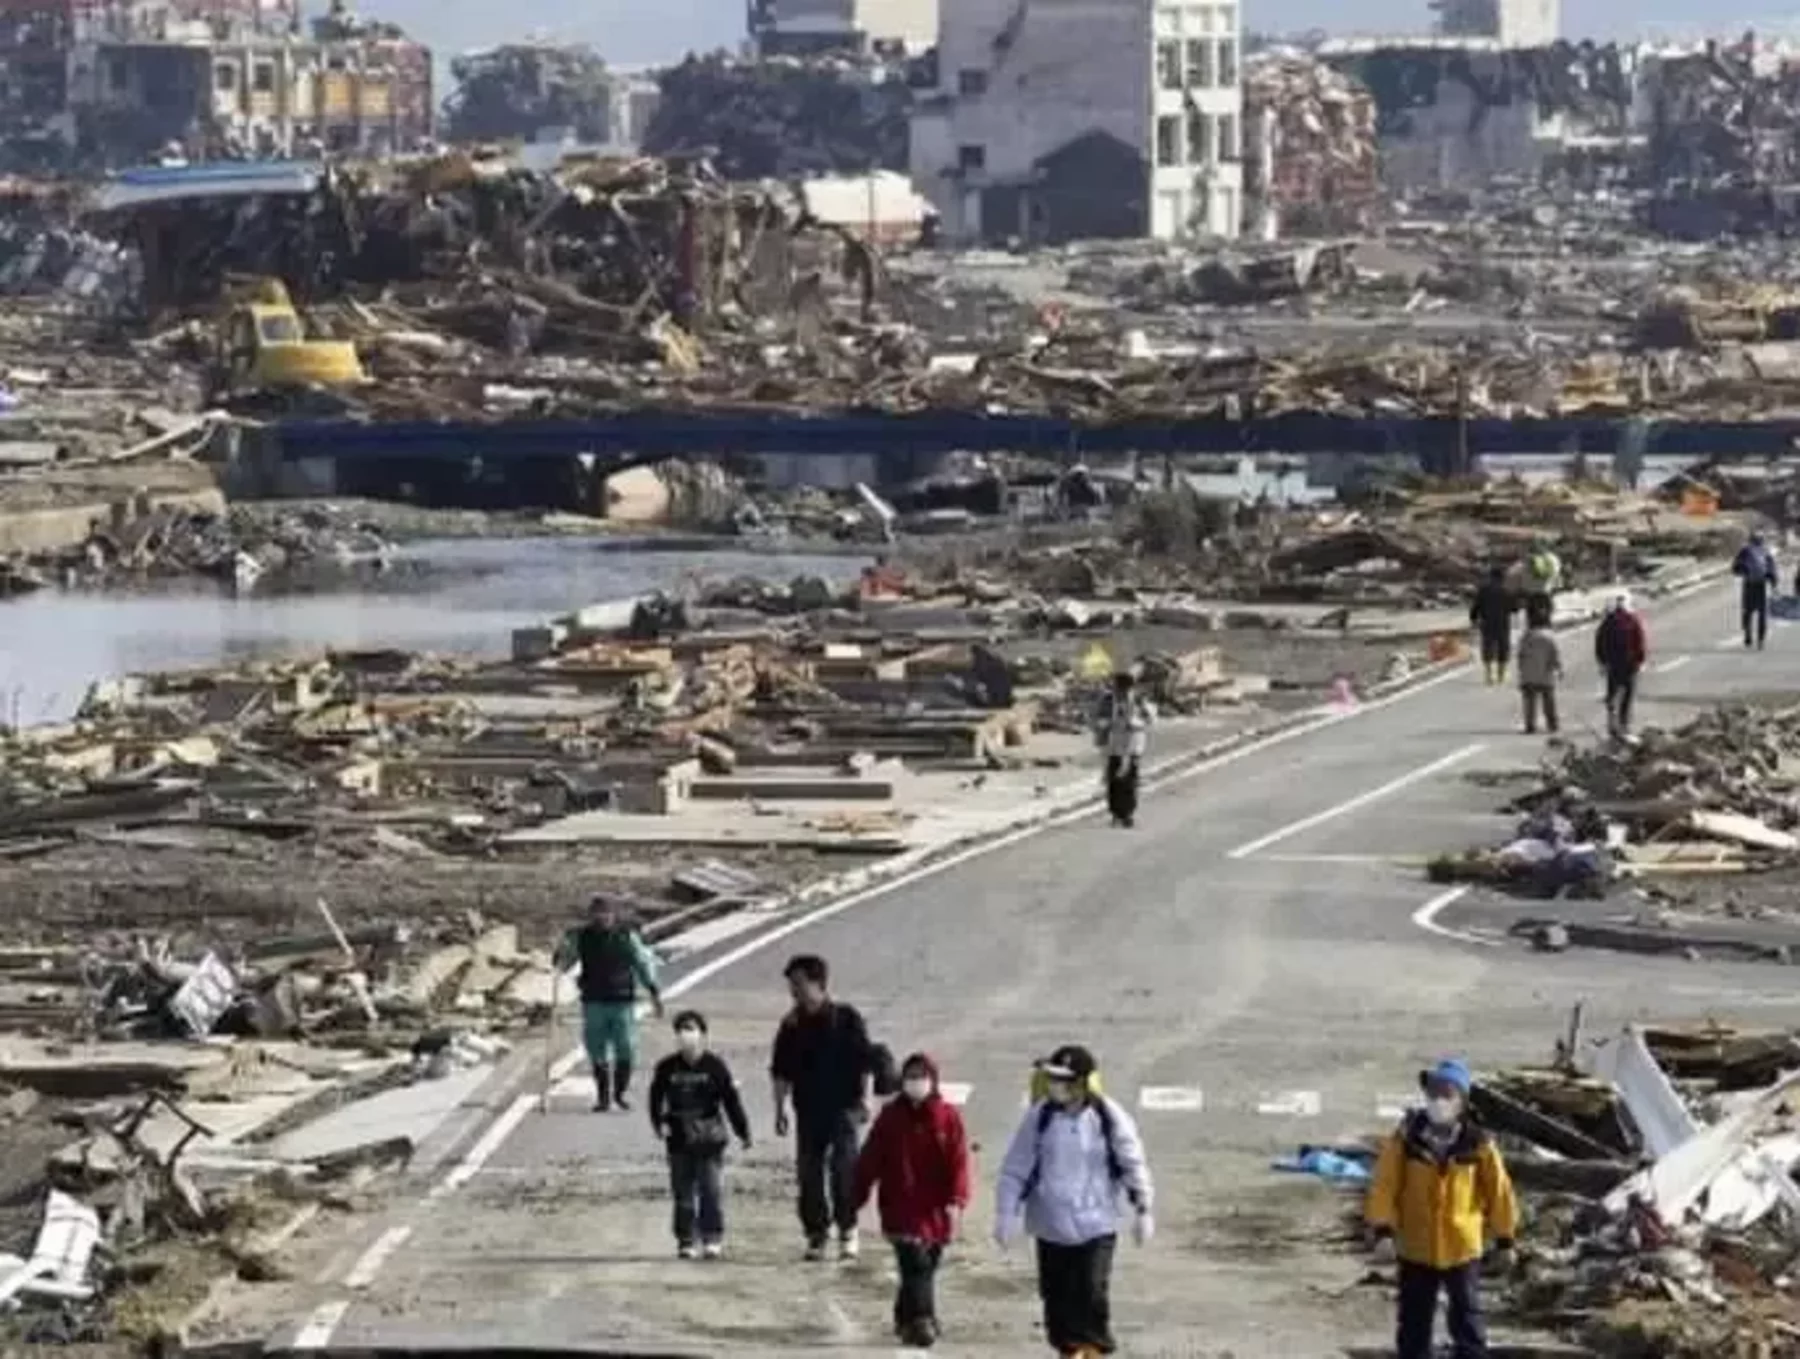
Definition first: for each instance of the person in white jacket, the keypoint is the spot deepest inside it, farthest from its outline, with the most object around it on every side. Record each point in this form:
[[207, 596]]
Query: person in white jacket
[[1074, 1158]]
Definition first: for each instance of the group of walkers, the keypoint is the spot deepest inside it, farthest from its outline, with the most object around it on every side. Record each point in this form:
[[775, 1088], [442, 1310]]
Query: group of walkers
[[1073, 1177]]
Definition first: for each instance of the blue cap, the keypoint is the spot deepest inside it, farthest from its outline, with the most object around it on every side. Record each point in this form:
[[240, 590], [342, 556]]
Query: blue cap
[[1452, 1071]]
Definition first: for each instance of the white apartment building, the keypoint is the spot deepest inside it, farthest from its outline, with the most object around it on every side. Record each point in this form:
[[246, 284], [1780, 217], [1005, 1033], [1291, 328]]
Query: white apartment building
[[800, 27], [1061, 120], [1511, 23]]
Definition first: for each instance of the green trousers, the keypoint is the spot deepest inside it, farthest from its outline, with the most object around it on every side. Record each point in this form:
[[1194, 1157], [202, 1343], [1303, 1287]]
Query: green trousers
[[609, 1032]]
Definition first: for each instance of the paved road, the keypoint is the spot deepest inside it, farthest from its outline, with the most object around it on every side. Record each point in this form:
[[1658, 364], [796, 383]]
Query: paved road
[[1247, 964]]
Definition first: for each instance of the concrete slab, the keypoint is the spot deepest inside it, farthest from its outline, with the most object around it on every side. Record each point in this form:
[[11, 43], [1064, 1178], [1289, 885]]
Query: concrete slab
[[414, 1111]]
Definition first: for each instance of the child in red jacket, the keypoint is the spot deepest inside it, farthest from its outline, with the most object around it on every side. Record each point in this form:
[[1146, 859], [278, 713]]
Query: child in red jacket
[[918, 1153]]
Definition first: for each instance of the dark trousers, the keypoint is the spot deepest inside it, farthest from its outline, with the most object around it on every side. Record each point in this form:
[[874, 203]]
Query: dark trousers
[[915, 1303], [1621, 688], [1122, 786], [697, 1183], [1496, 646], [1538, 698], [1075, 1283], [1755, 611], [1418, 1310], [825, 1161]]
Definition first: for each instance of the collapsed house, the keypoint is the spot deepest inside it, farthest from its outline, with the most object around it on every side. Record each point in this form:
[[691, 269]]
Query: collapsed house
[[1310, 165]]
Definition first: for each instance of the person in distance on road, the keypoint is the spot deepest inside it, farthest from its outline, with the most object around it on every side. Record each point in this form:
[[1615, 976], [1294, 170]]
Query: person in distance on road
[[1758, 575], [1441, 1192], [694, 1108], [1540, 670], [1075, 1154], [1490, 613], [1122, 727], [822, 1063], [1621, 647], [615, 964], [918, 1155]]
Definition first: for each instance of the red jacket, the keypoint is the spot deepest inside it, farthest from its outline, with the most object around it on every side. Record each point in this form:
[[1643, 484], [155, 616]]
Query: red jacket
[[919, 1156], [1621, 645]]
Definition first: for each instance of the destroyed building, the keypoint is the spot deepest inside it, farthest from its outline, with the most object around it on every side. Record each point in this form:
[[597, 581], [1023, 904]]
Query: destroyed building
[[1310, 164], [1118, 120], [539, 92], [1512, 23], [111, 82], [785, 118]]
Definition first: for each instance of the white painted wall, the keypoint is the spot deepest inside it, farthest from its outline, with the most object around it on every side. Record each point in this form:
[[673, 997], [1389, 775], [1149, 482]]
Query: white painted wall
[[912, 22], [1019, 79]]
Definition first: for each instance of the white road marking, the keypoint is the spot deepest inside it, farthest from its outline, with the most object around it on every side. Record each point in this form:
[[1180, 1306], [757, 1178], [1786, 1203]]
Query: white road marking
[[1734, 639], [1383, 859], [363, 1272], [1172, 1099], [1426, 919], [1387, 789], [316, 1332], [712, 933], [489, 1143], [956, 1092], [1291, 1104], [1673, 663]]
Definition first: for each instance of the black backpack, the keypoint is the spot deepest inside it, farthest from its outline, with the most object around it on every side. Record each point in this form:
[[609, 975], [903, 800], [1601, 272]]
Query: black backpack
[[1114, 1166], [884, 1071]]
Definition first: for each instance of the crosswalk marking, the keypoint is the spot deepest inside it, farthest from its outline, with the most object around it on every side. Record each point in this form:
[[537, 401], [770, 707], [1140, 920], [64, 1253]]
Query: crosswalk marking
[[1291, 1104], [1177, 1099]]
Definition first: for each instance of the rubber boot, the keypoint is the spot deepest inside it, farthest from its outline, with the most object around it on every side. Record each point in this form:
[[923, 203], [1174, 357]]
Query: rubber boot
[[622, 1083], [603, 1088]]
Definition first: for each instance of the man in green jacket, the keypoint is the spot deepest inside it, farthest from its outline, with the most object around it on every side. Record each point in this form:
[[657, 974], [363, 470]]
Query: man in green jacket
[[615, 965]]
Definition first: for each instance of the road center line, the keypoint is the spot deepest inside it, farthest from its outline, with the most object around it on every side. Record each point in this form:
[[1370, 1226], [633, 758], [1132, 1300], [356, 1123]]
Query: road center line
[[315, 1333], [1674, 663], [363, 1272], [1405, 780]]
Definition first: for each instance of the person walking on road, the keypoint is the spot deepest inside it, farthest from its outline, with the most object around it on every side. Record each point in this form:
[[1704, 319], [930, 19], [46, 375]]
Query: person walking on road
[[1491, 614], [1075, 1154], [1122, 728], [1621, 646], [1757, 575], [695, 1108], [1540, 671], [822, 1064], [615, 965], [918, 1155], [1440, 1194]]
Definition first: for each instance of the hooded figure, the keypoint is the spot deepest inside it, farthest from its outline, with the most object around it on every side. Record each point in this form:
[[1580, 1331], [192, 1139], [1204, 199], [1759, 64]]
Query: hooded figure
[[1075, 1156], [917, 1157], [1620, 648], [1755, 568], [615, 965], [1439, 1196]]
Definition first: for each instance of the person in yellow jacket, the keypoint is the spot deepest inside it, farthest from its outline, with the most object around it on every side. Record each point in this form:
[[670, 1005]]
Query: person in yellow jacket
[[1440, 1195]]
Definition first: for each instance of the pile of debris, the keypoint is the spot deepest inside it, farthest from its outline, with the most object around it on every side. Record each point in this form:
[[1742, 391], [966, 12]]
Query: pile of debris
[[1717, 795], [1657, 1171], [1313, 126]]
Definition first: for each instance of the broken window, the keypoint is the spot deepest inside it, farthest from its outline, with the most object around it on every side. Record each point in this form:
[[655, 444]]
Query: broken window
[[1228, 72], [264, 77], [225, 77], [1168, 63], [1228, 136], [1200, 63], [971, 82], [971, 157], [1168, 140], [1199, 135]]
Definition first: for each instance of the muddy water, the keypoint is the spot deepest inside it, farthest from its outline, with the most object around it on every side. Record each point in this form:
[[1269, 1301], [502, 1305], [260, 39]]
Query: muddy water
[[463, 597]]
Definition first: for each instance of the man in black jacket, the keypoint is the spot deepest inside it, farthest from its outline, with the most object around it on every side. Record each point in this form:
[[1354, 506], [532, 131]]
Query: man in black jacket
[[823, 1062], [1491, 612], [694, 1107]]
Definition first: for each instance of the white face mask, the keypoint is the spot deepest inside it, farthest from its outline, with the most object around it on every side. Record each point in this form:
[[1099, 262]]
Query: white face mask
[[1442, 1111], [690, 1041], [916, 1088]]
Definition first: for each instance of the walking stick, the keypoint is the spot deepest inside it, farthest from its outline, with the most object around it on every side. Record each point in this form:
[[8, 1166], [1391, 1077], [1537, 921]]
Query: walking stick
[[550, 1039]]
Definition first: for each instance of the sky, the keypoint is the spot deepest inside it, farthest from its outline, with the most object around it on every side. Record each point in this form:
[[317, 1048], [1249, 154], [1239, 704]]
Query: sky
[[645, 32]]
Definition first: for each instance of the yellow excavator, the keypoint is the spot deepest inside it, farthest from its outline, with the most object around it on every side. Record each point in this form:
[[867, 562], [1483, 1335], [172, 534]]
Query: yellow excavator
[[263, 343]]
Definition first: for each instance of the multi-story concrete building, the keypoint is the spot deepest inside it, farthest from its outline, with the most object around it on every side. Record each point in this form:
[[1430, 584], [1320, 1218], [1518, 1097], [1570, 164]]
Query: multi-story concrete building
[[1512, 23], [812, 27], [115, 80], [1062, 119]]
